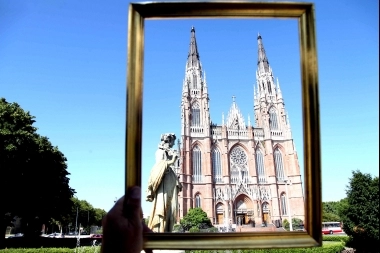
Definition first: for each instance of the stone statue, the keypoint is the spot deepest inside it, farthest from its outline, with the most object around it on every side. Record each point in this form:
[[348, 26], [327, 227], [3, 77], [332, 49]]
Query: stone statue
[[163, 187]]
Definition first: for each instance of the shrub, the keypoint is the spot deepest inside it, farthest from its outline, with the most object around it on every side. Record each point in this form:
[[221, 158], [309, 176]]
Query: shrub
[[213, 230], [335, 238], [328, 248], [296, 223], [194, 230], [195, 217], [178, 228]]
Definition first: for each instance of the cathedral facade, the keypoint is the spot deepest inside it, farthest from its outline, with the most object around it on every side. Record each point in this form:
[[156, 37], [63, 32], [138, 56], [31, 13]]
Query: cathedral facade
[[238, 173]]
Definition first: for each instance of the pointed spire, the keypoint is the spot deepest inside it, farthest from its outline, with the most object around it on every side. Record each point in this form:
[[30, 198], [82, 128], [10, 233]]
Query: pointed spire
[[235, 119], [249, 120], [279, 94], [287, 119], [262, 63], [193, 56], [205, 90], [222, 118]]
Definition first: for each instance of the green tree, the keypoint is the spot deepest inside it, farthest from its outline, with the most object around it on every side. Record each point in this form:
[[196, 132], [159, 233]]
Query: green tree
[[34, 183], [331, 210], [360, 214], [296, 223], [195, 217], [330, 217], [98, 216], [87, 215]]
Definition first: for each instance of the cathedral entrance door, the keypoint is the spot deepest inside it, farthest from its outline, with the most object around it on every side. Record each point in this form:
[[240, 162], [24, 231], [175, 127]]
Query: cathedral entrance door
[[240, 219], [220, 218], [265, 217]]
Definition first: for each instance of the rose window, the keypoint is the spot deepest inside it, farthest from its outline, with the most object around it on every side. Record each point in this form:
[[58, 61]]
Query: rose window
[[238, 163], [238, 156]]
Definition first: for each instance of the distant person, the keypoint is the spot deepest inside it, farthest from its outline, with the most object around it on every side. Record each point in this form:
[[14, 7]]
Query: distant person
[[123, 227]]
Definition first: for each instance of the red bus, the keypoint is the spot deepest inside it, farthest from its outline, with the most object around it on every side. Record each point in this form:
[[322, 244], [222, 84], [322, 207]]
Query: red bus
[[331, 227]]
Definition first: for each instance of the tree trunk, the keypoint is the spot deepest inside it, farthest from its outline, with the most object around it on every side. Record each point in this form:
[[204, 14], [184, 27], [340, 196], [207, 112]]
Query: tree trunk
[[3, 226]]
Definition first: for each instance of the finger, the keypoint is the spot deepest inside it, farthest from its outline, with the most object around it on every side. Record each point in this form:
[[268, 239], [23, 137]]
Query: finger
[[146, 229], [132, 204]]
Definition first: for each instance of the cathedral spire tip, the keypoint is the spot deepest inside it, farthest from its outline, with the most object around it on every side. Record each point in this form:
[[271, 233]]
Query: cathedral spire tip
[[193, 56], [262, 63]]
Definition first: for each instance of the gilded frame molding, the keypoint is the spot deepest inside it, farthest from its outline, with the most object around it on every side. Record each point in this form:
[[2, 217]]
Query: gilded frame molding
[[304, 12]]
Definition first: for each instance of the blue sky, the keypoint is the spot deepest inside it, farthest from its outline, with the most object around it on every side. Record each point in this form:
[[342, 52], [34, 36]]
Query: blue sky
[[65, 62]]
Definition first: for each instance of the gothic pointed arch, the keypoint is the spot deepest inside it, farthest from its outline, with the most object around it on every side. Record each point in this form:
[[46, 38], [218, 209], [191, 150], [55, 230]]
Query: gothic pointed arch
[[197, 200], [279, 164], [235, 119], [260, 168], [273, 118], [283, 204], [197, 143], [195, 114], [280, 147], [197, 164], [216, 164], [265, 207], [219, 209], [243, 208], [238, 165]]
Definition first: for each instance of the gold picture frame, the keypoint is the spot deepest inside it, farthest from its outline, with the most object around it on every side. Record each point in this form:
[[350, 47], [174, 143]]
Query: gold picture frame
[[304, 12]]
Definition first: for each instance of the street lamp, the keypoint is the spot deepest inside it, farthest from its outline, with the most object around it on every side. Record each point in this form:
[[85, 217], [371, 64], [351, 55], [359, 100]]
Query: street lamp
[[76, 222], [287, 203]]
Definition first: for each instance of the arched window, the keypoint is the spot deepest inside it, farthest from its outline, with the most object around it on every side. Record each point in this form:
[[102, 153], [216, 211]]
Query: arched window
[[219, 208], [284, 210], [269, 87], [239, 166], [197, 165], [197, 200], [279, 165], [195, 86], [195, 115], [216, 166], [273, 119], [260, 166]]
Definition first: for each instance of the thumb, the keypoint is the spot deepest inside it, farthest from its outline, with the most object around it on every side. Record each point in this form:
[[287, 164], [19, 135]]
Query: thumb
[[132, 204]]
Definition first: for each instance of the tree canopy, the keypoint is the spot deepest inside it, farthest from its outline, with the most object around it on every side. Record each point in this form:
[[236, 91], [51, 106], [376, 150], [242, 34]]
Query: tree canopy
[[195, 217], [360, 214], [34, 182], [87, 215], [296, 224], [331, 210]]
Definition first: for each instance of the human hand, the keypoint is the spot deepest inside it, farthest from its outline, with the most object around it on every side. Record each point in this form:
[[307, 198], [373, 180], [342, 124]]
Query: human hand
[[123, 227]]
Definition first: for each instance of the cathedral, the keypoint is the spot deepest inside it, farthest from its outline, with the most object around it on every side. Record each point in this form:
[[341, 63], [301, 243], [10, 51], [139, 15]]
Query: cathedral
[[238, 173]]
